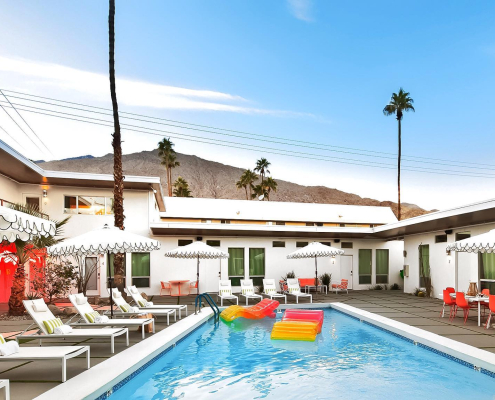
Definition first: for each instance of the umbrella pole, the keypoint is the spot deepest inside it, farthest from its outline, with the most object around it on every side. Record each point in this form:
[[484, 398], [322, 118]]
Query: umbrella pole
[[197, 278], [316, 275], [110, 284]]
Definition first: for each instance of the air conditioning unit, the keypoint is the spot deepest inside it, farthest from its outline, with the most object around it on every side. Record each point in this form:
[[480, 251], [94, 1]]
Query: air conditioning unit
[[406, 271]]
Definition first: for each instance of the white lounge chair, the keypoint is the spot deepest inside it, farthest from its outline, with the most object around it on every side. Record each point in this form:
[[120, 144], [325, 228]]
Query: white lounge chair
[[88, 316], [60, 353], [293, 289], [46, 315], [5, 385], [247, 290], [126, 310], [146, 305], [225, 292], [270, 290]]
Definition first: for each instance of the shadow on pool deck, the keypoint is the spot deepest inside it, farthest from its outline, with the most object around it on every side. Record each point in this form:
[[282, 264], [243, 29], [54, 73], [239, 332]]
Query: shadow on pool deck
[[28, 380]]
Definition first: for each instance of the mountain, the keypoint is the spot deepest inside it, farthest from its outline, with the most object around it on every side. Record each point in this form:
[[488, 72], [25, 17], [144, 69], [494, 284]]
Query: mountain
[[215, 180]]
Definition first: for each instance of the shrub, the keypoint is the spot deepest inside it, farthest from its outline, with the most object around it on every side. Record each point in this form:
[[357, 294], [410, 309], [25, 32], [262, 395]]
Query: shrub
[[57, 280], [376, 287], [395, 286], [325, 279], [417, 291]]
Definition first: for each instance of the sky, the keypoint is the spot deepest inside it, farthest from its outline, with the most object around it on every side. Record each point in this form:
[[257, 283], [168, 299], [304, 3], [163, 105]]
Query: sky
[[316, 73]]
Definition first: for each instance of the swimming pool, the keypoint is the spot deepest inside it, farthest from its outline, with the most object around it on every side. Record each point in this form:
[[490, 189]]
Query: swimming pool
[[349, 359]]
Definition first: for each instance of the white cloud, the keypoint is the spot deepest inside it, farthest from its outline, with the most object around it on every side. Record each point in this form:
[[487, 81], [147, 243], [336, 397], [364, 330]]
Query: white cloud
[[301, 9], [132, 93]]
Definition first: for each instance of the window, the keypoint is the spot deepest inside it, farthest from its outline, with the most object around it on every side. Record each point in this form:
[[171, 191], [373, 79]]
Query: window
[[346, 245], [279, 223], [88, 205], [310, 224], [440, 238], [364, 267], [225, 221], [33, 203], [277, 243], [110, 258], [424, 259], [236, 266], [326, 243], [342, 225], [301, 244], [486, 262], [382, 265], [319, 223], [213, 243], [140, 268], [257, 265], [462, 235], [184, 242]]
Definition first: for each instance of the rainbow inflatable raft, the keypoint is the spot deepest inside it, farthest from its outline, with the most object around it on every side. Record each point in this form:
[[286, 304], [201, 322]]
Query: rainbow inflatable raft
[[302, 325], [265, 308]]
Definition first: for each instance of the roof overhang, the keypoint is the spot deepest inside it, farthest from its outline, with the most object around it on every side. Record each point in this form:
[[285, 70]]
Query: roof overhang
[[248, 230], [20, 169], [469, 215]]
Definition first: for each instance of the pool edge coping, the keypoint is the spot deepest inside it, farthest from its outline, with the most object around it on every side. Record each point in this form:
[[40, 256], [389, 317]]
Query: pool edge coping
[[102, 379]]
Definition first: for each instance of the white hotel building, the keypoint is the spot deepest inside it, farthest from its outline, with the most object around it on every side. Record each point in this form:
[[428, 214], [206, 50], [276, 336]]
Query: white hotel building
[[258, 235]]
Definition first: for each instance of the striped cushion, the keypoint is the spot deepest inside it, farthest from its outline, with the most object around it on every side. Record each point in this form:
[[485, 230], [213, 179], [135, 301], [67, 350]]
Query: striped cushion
[[248, 291], [125, 307], [2, 340], [142, 303], [294, 290], [271, 291], [51, 324], [91, 317], [225, 292]]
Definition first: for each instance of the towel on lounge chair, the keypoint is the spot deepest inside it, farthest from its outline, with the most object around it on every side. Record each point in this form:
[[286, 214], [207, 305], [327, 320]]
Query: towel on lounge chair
[[9, 348], [63, 330], [101, 319]]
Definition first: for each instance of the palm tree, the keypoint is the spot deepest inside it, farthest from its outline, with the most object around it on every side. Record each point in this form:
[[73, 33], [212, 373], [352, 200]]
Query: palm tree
[[399, 103], [259, 190], [181, 188], [269, 185], [118, 174], [169, 160], [25, 251], [247, 179], [262, 167]]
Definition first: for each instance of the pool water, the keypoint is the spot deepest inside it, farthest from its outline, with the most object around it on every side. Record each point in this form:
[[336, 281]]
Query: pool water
[[348, 360]]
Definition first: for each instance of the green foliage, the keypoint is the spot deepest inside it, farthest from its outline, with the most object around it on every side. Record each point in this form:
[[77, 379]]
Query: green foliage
[[289, 275], [246, 181], [260, 288], [32, 296], [325, 279], [417, 291], [181, 188], [395, 286], [399, 103], [376, 287], [57, 281]]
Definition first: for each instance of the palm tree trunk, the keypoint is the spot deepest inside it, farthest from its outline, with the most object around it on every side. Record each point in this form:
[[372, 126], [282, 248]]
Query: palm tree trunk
[[398, 175], [169, 182], [245, 188], [17, 292], [250, 191], [118, 175]]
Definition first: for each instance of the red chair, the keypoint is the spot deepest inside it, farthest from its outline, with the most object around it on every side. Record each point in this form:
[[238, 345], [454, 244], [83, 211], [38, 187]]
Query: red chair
[[461, 302], [448, 301], [341, 286], [491, 306], [449, 290], [193, 285], [485, 292], [166, 286]]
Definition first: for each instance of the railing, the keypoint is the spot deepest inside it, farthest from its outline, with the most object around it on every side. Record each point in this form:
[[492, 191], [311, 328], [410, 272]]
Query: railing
[[25, 209], [207, 298]]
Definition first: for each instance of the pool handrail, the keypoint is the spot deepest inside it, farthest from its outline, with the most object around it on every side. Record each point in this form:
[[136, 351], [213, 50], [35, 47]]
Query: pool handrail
[[206, 297]]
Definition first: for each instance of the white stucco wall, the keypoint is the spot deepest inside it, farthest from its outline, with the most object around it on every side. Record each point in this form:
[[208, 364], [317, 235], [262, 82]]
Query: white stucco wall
[[9, 190], [462, 268]]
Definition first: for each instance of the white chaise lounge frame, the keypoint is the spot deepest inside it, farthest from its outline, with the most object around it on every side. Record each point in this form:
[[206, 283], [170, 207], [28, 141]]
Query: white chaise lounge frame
[[225, 292], [136, 298], [270, 290], [247, 290], [119, 301], [42, 334], [293, 289], [86, 308], [60, 353]]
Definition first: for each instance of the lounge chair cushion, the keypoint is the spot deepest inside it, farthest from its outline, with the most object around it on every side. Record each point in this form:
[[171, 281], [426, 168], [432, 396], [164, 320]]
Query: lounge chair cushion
[[39, 305], [91, 317], [134, 290], [117, 294], [125, 307], [2, 340], [142, 303], [80, 300], [51, 324]]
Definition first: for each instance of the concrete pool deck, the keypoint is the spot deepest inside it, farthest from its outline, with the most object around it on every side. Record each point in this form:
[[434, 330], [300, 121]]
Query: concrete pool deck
[[31, 379]]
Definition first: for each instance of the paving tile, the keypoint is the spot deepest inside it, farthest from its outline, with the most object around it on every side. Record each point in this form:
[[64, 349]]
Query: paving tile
[[477, 340], [448, 330], [416, 321]]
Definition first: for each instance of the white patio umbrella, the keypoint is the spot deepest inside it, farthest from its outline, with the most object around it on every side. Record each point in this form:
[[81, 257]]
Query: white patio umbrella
[[197, 250], [484, 243], [18, 225], [104, 240], [315, 250]]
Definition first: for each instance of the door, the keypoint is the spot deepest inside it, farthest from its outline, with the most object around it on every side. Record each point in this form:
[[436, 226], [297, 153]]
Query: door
[[32, 201], [209, 275], [346, 269], [92, 273]]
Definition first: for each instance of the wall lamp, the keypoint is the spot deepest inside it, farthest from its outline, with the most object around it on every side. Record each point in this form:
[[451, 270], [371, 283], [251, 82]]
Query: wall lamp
[[333, 260], [45, 193], [449, 256]]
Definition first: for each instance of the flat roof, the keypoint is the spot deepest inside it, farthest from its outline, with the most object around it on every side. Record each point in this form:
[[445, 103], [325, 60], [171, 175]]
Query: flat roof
[[17, 167], [253, 210]]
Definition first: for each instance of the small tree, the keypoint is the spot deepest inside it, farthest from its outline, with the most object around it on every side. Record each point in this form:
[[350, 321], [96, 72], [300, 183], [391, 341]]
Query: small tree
[[84, 273], [59, 279], [181, 188]]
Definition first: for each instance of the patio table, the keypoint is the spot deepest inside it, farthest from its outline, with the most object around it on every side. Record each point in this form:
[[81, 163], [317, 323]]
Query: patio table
[[475, 299], [177, 285]]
